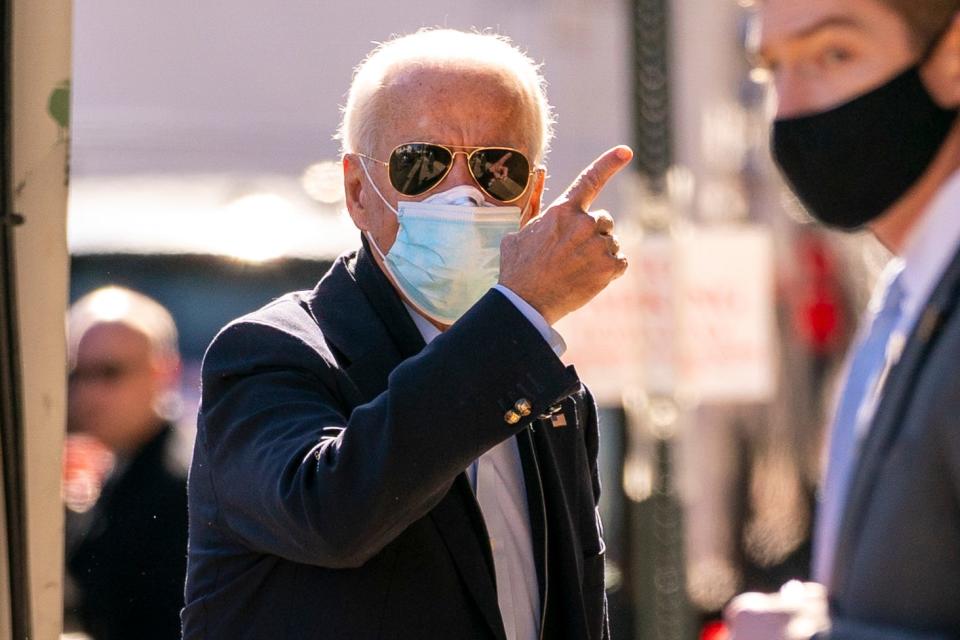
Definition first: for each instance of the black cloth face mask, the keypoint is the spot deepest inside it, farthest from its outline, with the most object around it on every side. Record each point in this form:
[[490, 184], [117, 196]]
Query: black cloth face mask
[[849, 164]]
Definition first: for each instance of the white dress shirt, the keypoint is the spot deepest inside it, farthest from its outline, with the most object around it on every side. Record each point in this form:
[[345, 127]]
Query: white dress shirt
[[497, 480], [929, 249]]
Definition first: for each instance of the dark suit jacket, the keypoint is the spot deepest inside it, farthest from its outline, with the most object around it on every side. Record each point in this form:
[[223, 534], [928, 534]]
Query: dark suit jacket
[[327, 494], [129, 566], [897, 569]]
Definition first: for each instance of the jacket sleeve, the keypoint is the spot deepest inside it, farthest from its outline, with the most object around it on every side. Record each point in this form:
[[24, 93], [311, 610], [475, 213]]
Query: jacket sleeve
[[293, 474]]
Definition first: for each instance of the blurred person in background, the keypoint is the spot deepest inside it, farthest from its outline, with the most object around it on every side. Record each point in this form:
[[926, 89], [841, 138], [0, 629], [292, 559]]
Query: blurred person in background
[[400, 452], [866, 134], [126, 556]]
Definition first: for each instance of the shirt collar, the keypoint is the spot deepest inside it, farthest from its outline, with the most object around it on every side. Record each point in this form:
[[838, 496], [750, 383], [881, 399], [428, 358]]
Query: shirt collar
[[931, 245], [424, 326]]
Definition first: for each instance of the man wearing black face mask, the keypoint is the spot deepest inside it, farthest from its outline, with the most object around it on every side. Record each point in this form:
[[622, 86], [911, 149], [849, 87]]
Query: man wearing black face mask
[[867, 136]]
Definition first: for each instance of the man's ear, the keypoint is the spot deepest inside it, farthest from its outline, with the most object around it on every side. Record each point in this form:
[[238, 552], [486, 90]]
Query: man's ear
[[538, 180], [353, 191], [941, 73], [166, 370]]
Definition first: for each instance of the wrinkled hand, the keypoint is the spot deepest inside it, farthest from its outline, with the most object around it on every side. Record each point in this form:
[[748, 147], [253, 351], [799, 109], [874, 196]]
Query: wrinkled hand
[[563, 258], [796, 612]]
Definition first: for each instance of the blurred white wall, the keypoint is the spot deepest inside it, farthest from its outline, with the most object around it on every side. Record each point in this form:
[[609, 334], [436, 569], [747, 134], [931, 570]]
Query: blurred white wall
[[254, 86], [707, 59]]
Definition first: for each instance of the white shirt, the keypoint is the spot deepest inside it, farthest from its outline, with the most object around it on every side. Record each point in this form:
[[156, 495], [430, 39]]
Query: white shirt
[[497, 480], [929, 249], [926, 254]]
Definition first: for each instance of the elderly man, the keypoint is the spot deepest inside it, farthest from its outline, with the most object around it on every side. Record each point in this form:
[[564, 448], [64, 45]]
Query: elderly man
[[400, 453], [867, 135], [128, 562]]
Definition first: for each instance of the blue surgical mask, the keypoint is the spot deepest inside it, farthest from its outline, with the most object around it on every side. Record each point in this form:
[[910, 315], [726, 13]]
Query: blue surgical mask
[[447, 252]]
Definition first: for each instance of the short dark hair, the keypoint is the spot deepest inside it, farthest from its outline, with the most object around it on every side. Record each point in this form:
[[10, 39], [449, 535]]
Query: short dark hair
[[926, 18]]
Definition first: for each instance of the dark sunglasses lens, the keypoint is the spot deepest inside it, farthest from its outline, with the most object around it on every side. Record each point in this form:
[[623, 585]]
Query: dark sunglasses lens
[[415, 168], [503, 173]]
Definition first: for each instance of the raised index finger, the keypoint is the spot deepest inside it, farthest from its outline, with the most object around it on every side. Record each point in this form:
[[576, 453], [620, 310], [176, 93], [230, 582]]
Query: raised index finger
[[592, 180]]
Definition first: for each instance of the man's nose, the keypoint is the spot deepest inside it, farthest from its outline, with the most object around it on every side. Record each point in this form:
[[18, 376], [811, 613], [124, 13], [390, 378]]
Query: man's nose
[[459, 172], [785, 94], [793, 94]]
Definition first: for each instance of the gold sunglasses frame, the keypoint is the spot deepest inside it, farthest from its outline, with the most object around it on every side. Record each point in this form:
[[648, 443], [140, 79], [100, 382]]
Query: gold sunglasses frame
[[453, 156]]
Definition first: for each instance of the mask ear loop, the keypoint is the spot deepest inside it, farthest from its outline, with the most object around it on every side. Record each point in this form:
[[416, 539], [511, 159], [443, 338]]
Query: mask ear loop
[[373, 243], [363, 165]]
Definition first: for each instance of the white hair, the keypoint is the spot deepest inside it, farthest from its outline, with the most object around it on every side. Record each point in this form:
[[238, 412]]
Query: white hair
[[442, 48], [119, 305]]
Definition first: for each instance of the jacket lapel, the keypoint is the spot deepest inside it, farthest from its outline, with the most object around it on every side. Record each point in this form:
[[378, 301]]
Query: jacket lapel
[[368, 327], [553, 537], [371, 333], [890, 414], [536, 507]]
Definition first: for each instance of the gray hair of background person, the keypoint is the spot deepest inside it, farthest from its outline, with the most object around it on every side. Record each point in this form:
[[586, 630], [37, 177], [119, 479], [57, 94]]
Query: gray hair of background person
[[119, 305]]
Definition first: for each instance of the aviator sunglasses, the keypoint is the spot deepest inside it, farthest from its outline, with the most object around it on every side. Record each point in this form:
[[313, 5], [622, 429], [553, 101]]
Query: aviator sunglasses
[[417, 167]]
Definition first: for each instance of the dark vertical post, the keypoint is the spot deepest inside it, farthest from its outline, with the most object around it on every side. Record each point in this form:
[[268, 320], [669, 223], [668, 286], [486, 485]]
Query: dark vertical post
[[11, 440], [661, 610], [651, 89]]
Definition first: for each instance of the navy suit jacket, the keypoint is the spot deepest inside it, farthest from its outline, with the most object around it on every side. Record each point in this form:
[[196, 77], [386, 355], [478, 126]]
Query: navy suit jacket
[[327, 496], [897, 569]]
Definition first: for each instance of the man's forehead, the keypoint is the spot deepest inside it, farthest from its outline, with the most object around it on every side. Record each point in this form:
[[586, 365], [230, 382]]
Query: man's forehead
[[440, 82], [113, 337], [488, 101]]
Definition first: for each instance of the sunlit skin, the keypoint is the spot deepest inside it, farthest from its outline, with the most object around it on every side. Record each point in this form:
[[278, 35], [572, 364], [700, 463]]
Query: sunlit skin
[[114, 384], [455, 107], [822, 53]]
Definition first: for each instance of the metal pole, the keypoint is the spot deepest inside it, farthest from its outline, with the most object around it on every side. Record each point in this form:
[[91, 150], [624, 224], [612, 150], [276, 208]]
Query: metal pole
[[661, 610], [11, 422], [651, 90]]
